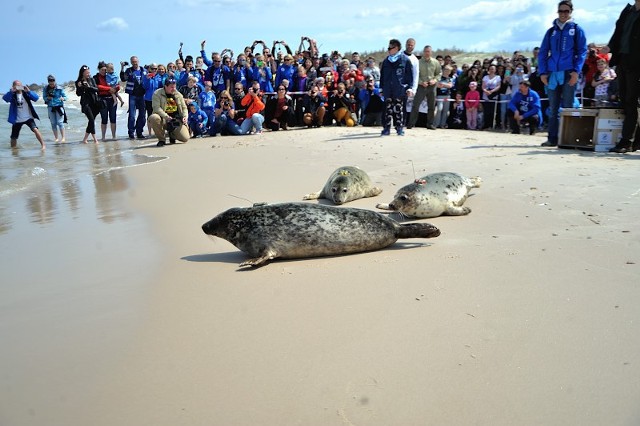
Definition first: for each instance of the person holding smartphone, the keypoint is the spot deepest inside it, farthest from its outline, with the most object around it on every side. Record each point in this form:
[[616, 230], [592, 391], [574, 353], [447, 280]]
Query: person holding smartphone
[[21, 112]]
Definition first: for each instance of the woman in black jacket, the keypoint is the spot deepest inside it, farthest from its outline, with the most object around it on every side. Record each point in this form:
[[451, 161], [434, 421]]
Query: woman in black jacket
[[278, 112], [87, 89]]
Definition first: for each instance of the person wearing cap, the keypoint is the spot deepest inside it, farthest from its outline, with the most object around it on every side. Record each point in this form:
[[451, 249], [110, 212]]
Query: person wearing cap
[[524, 107], [21, 112], [396, 81], [562, 54], [133, 78], [170, 114], [54, 98], [286, 70], [371, 69]]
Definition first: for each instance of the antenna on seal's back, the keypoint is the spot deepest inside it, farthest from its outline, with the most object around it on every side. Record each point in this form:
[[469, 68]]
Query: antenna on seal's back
[[245, 199]]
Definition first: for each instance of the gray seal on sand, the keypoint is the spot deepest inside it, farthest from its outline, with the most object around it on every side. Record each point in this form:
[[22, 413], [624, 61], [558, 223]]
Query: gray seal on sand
[[346, 184], [298, 230], [434, 195]]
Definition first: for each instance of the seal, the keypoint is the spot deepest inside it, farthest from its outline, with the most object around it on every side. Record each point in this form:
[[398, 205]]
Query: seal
[[346, 184], [434, 195], [299, 230]]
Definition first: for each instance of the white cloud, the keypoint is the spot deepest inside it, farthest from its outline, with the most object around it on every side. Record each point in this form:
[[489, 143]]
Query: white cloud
[[113, 24]]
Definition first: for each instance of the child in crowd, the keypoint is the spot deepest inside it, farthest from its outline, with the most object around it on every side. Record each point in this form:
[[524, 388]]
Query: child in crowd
[[471, 103], [113, 81], [207, 104], [197, 120], [457, 116], [601, 80]]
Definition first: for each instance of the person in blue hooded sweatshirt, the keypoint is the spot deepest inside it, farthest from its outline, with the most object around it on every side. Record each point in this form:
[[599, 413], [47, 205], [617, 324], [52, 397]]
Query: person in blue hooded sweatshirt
[[524, 107], [396, 81], [560, 60], [197, 120]]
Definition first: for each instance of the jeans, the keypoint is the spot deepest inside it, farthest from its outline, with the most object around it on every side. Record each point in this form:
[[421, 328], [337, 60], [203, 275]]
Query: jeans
[[56, 119], [136, 103], [442, 111], [561, 96], [504, 106], [256, 121]]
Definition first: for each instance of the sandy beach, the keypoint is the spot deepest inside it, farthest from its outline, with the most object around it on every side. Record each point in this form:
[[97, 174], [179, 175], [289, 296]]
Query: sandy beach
[[524, 312]]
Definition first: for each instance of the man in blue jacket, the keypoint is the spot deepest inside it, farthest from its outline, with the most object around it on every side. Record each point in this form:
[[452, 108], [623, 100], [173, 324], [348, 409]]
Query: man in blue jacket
[[524, 107], [560, 60], [21, 112], [396, 81], [132, 76]]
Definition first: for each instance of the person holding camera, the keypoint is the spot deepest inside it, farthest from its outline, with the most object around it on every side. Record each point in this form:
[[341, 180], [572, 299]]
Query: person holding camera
[[341, 106], [169, 114], [21, 112], [54, 98], [371, 103], [132, 76], [225, 113], [313, 108], [252, 101]]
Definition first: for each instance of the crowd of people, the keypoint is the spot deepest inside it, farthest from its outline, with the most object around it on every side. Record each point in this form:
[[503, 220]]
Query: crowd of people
[[275, 88]]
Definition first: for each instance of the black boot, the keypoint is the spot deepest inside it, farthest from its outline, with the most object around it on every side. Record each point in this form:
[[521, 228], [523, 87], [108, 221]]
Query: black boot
[[621, 147]]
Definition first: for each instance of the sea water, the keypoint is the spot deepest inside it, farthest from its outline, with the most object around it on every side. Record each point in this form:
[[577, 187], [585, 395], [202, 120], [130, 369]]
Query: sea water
[[52, 178]]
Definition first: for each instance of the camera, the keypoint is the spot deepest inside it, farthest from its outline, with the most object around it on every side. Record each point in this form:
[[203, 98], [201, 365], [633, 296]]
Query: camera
[[125, 63], [225, 104], [173, 124], [592, 52]]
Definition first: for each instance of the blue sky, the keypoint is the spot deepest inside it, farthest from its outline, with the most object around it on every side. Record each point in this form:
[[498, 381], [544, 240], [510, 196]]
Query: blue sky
[[41, 37]]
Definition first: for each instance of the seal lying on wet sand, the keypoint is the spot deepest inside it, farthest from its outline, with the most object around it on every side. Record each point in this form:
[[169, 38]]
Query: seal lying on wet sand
[[434, 195], [295, 230], [346, 184]]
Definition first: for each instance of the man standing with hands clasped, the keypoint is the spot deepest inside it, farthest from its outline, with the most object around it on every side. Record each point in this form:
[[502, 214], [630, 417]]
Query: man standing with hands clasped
[[429, 75], [625, 49], [560, 60]]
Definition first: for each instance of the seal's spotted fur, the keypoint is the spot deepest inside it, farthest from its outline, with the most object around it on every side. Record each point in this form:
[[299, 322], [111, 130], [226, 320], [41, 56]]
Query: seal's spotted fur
[[296, 230]]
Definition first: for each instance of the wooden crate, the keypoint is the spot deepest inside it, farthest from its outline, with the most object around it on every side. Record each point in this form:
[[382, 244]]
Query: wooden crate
[[597, 129]]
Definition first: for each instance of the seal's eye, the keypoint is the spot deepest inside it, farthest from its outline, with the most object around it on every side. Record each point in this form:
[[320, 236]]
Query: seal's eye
[[403, 198], [334, 190], [344, 190]]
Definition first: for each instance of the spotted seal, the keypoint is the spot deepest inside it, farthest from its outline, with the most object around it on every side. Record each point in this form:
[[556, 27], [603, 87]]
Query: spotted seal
[[346, 184], [434, 195], [297, 230]]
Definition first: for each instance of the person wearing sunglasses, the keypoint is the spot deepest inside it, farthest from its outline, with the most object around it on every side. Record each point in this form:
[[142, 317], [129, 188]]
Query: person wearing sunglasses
[[560, 60], [396, 81]]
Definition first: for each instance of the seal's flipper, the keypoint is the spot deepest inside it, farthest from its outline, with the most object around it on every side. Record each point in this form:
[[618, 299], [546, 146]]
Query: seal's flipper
[[383, 206], [258, 261], [457, 211], [312, 196], [373, 192]]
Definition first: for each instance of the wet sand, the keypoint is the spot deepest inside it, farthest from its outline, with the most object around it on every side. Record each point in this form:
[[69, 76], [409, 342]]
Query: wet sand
[[523, 312]]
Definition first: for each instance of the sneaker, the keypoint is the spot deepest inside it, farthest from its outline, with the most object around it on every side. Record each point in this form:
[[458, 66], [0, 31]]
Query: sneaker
[[160, 143], [172, 140], [385, 132], [431, 127], [400, 131], [622, 147], [131, 136], [141, 137], [549, 143]]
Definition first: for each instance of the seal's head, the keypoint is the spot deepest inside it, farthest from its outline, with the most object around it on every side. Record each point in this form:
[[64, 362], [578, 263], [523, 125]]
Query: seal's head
[[340, 189], [226, 224]]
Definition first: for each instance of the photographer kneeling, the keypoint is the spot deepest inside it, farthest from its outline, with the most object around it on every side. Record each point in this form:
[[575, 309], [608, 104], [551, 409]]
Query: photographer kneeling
[[169, 114]]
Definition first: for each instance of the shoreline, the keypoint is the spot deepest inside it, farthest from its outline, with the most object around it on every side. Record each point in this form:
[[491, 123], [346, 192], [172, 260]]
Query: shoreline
[[521, 312]]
